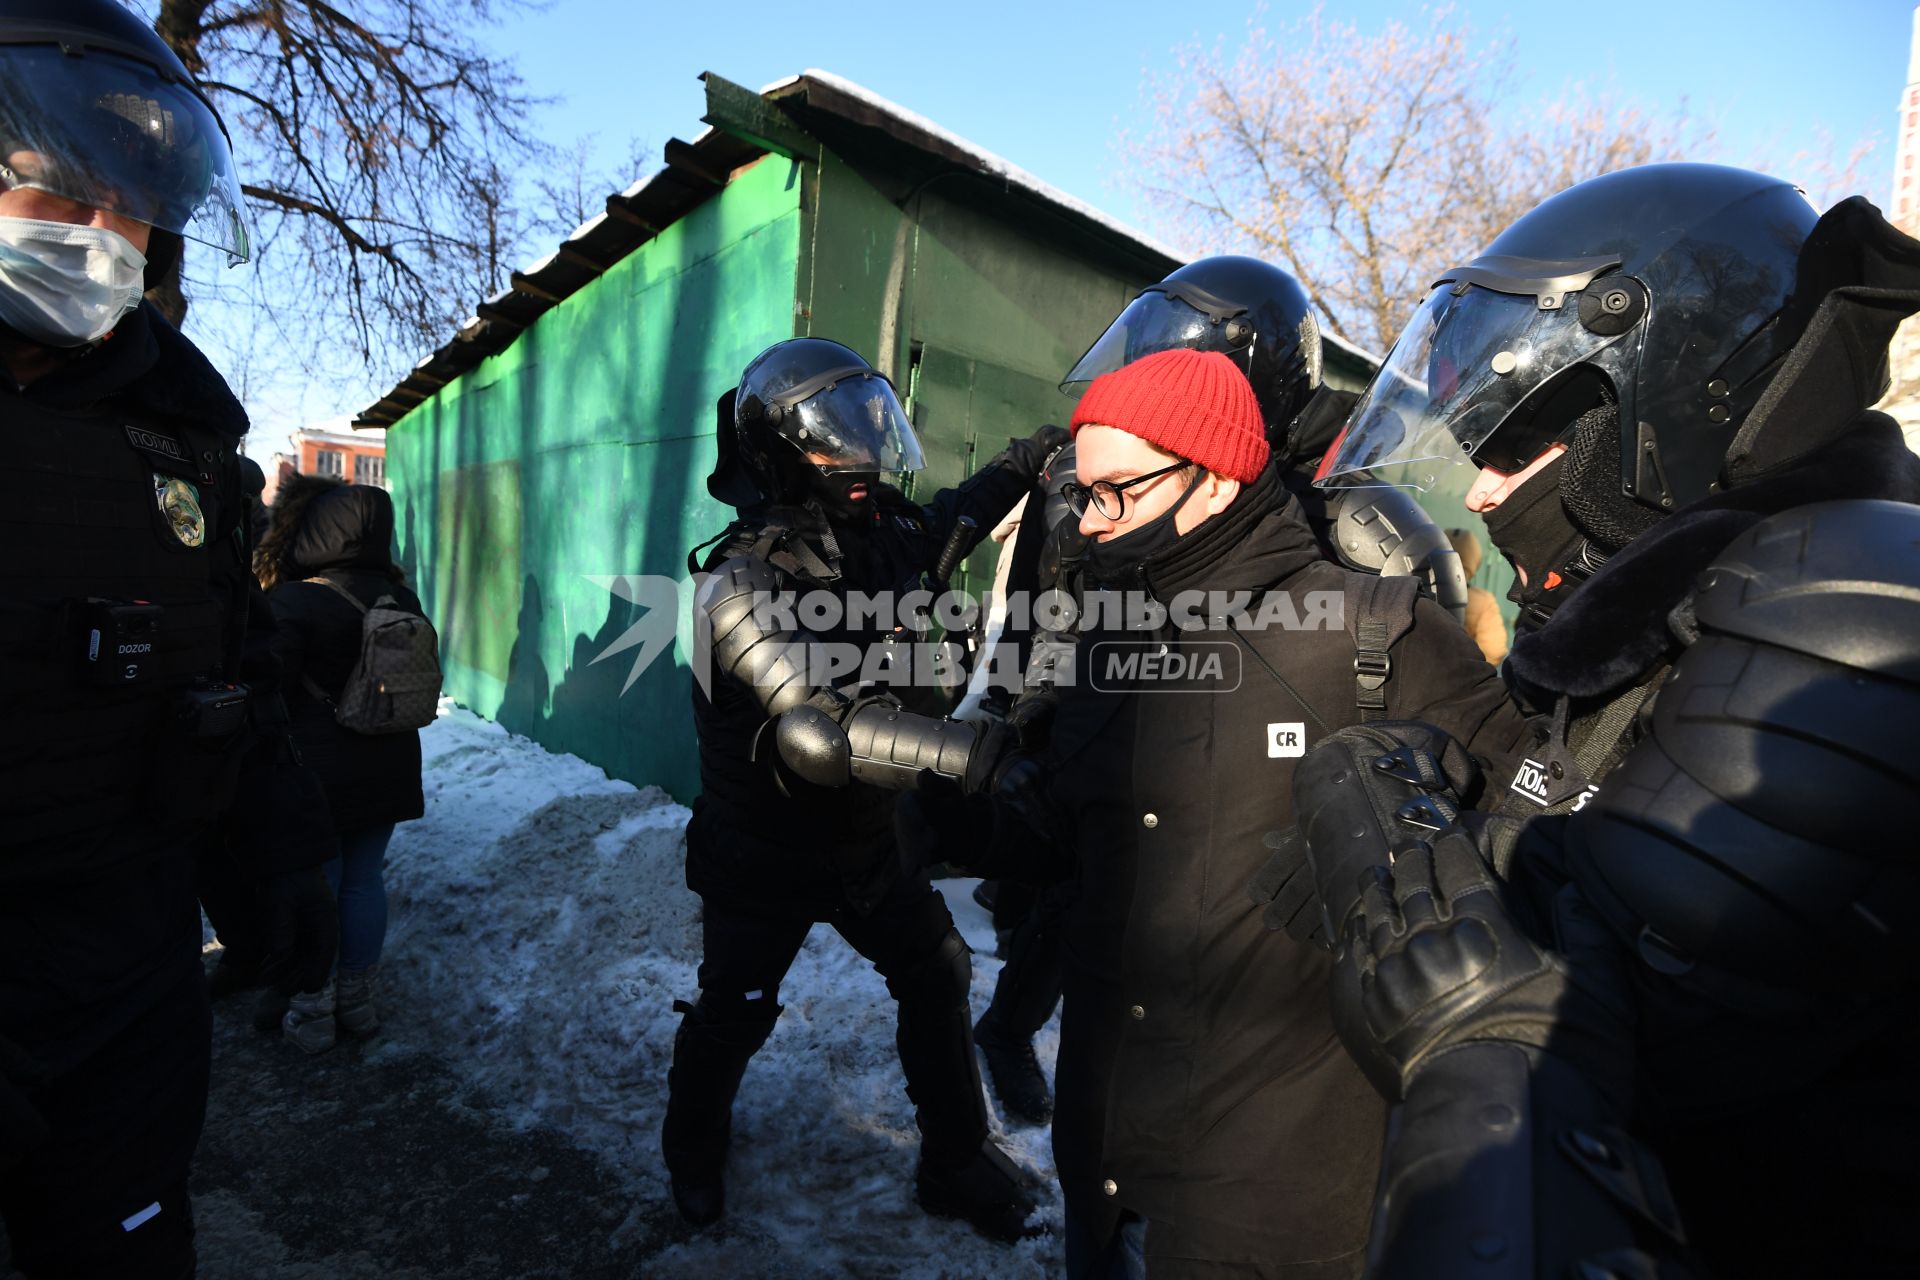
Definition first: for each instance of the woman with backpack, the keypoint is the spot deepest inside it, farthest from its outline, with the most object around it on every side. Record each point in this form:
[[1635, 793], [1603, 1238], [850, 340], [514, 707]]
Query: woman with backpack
[[347, 634]]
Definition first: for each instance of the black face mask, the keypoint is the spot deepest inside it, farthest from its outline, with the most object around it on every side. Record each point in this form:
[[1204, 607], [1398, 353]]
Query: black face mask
[[1117, 561], [1532, 531], [831, 488]]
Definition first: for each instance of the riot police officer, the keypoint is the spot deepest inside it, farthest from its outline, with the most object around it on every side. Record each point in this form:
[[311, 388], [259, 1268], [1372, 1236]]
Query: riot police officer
[[123, 627], [801, 754], [1665, 1026]]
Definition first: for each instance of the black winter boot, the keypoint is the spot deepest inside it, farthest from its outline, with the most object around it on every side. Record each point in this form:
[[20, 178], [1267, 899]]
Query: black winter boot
[[710, 1054], [1017, 1079], [989, 1192], [962, 1174]]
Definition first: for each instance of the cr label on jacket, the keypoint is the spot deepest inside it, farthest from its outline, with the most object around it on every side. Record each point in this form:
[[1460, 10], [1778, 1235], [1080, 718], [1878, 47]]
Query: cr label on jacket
[[1284, 740]]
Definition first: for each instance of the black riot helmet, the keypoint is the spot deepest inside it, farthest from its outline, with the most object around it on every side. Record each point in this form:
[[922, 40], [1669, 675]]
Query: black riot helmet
[[810, 417], [1244, 308], [94, 107], [1636, 318]]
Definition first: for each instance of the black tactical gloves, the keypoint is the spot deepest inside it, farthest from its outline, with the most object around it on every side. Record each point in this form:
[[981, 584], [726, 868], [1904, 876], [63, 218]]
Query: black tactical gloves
[[1358, 794], [1433, 956], [1390, 868]]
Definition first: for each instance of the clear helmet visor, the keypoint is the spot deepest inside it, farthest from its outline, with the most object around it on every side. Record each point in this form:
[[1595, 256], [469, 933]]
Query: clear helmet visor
[[850, 420], [107, 131], [1162, 318], [1469, 357]]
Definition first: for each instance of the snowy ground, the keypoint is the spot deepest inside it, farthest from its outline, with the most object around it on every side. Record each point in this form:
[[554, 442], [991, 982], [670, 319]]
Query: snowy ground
[[541, 930]]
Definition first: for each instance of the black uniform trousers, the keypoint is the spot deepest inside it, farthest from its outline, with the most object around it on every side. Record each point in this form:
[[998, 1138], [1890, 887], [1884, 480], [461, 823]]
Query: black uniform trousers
[[103, 995], [750, 947], [910, 939]]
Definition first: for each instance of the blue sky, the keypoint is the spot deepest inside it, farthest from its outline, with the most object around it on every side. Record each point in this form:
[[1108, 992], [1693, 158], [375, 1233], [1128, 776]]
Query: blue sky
[[1052, 86]]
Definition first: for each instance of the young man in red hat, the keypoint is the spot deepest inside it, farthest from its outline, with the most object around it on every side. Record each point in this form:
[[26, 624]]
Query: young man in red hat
[[1207, 1118]]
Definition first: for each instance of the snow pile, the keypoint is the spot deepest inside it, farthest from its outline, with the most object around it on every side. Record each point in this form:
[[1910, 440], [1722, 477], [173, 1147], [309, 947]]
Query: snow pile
[[541, 930]]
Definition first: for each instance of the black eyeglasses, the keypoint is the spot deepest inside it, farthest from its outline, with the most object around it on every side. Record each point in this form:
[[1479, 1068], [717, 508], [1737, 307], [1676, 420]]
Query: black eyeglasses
[[1105, 495]]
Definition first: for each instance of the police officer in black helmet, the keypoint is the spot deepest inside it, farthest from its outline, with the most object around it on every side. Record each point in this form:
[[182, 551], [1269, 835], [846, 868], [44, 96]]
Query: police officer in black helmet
[[123, 627], [800, 765], [1666, 1024], [1261, 318]]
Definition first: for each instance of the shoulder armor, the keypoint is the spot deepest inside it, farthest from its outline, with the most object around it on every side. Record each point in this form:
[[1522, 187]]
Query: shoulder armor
[[1763, 826], [1833, 580], [752, 640], [1380, 529]]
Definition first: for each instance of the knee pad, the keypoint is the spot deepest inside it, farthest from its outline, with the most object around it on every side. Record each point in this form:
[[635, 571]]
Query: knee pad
[[730, 1018], [944, 975]]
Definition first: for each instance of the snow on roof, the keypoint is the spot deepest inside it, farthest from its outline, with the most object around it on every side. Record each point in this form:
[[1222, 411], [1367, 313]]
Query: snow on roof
[[1015, 176]]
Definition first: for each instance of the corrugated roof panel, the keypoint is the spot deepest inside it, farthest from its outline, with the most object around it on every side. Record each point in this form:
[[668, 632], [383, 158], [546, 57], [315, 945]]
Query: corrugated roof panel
[[694, 172]]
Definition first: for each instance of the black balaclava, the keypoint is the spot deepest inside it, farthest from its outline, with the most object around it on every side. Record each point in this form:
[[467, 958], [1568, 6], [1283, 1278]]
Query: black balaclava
[[1532, 531], [1117, 561], [830, 488]]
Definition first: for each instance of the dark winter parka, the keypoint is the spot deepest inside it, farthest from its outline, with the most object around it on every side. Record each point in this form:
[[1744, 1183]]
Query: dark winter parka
[[344, 536], [781, 844], [1199, 1081]]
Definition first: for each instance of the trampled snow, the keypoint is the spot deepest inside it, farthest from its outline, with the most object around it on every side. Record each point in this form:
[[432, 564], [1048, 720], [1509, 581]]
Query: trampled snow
[[541, 929]]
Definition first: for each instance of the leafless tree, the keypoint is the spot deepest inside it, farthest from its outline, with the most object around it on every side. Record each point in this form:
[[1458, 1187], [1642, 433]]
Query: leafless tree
[[1367, 161], [570, 190], [376, 144]]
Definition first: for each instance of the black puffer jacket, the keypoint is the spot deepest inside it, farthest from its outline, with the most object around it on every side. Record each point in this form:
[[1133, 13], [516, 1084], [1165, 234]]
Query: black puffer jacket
[[345, 537]]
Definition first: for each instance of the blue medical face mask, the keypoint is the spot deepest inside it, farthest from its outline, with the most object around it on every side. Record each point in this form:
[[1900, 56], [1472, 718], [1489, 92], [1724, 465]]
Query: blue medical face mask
[[66, 285]]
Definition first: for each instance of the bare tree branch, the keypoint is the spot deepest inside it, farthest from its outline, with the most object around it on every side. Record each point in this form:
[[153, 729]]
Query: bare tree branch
[[1364, 162], [375, 142]]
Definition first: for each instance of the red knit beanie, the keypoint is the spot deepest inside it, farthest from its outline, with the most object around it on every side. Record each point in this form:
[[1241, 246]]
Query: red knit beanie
[[1194, 404]]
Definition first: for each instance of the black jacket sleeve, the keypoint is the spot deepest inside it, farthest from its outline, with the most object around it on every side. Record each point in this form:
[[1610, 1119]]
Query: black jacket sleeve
[[1439, 676], [989, 493]]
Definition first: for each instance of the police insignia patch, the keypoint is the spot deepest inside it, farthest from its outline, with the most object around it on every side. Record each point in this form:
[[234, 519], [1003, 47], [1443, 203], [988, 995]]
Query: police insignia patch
[[180, 504]]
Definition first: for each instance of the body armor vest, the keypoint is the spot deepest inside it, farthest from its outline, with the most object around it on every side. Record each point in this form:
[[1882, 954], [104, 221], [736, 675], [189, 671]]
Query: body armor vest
[[122, 588]]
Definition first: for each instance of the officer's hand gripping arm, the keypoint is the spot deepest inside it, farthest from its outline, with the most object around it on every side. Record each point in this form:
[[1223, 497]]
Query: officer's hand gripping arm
[[1512, 1056]]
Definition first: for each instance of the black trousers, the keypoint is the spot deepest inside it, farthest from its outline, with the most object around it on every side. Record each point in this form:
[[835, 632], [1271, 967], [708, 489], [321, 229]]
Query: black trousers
[[910, 938], [103, 999], [749, 947]]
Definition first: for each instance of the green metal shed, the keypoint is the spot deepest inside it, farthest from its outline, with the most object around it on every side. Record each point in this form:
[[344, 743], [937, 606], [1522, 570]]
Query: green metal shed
[[548, 463]]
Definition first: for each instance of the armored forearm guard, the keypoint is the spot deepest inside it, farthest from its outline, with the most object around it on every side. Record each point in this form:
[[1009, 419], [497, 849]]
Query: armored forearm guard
[[878, 743]]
